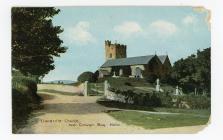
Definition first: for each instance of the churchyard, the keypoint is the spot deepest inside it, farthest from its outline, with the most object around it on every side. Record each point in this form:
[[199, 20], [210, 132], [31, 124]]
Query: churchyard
[[150, 105], [131, 104]]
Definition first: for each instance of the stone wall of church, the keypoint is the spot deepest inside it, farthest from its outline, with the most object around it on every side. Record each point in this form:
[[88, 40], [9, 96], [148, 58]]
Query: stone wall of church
[[166, 68], [153, 68], [126, 71], [109, 69]]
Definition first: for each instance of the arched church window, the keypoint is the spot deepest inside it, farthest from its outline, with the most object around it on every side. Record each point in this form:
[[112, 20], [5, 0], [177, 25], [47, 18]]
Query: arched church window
[[138, 72]]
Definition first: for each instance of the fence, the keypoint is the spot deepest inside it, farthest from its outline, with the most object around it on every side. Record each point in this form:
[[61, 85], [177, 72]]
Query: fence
[[93, 89], [98, 89], [102, 89]]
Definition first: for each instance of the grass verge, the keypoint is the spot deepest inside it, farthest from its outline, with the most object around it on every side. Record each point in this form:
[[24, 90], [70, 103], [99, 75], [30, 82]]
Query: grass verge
[[155, 121]]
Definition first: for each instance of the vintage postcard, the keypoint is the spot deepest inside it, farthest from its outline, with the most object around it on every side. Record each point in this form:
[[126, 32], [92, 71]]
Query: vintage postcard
[[110, 69]]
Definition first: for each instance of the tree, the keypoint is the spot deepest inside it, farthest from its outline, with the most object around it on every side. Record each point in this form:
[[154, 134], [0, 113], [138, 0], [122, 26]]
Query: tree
[[204, 71], [86, 76], [194, 72], [96, 75], [35, 40]]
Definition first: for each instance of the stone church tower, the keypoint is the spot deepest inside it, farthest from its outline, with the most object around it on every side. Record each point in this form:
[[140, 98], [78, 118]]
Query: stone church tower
[[113, 51]]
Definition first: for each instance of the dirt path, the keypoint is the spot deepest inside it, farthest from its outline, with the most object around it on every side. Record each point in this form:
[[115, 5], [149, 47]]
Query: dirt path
[[71, 113]]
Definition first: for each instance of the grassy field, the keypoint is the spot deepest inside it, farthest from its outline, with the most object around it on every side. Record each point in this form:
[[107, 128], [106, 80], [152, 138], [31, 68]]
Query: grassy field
[[155, 121]]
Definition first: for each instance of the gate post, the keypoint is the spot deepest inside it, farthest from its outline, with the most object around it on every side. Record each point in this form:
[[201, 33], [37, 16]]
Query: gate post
[[105, 88], [85, 88]]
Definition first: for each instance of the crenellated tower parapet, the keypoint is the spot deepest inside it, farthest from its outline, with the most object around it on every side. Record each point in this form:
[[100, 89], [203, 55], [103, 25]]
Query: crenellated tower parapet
[[114, 51]]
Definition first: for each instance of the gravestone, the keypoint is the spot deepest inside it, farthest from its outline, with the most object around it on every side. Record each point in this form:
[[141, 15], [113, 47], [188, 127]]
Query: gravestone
[[114, 74], [157, 85], [177, 90], [106, 88]]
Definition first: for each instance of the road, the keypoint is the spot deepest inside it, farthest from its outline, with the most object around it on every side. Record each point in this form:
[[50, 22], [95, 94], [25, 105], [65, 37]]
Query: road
[[70, 113]]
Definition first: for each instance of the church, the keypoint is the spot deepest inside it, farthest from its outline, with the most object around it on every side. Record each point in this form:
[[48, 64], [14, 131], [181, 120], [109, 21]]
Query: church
[[118, 64]]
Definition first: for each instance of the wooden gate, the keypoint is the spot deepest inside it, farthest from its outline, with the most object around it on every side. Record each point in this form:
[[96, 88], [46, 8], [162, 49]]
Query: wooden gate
[[95, 89]]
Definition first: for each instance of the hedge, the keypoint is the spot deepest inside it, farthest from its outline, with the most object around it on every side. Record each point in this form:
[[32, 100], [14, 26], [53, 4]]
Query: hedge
[[24, 100], [195, 102], [157, 99], [142, 99], [25, 85]]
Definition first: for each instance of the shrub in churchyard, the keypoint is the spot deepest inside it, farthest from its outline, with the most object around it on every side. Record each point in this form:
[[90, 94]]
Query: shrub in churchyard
[[86, 76], [195, 102], [96, 75], [151, 78]]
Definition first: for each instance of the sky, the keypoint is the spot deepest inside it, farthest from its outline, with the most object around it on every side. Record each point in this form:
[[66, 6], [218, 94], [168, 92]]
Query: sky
[[176, 31]]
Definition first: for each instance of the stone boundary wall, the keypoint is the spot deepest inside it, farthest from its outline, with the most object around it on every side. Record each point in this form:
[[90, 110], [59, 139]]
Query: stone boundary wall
[[113, 96]]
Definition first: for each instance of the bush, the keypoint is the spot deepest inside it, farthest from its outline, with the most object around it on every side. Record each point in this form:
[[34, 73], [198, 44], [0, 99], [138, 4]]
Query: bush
[[96, 75], [168, 79], [128, 84], [25, 85], [21, 108], [152, 78], [154, 99], [24, 100], [86, 76], [141, 99], [116, 104], [125, 87], [194, 102], [165, 99]]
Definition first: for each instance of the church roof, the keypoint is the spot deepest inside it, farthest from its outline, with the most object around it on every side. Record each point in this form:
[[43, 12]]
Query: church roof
[[162, 58], [128, 61]]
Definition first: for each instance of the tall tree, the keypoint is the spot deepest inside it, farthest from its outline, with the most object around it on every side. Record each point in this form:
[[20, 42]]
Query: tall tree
[[35, 40], [194, 72], [204, 70]]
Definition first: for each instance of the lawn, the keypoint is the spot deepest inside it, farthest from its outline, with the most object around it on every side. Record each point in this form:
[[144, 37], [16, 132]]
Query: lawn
[[155, 121], [137, 85], [201, 112]]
